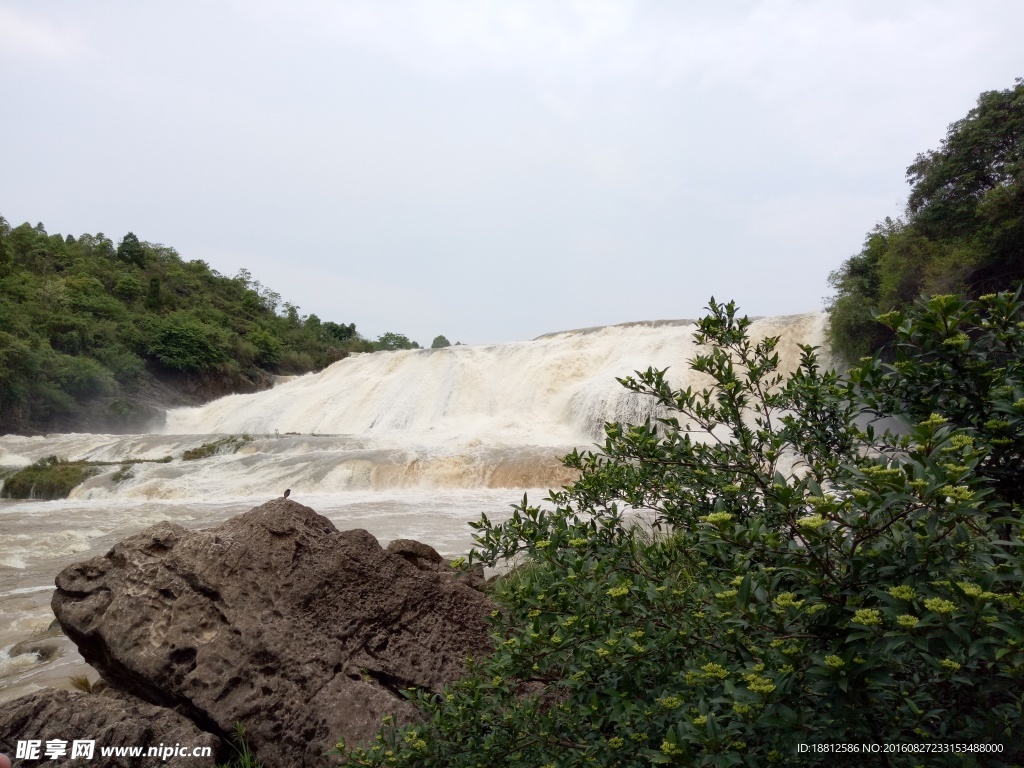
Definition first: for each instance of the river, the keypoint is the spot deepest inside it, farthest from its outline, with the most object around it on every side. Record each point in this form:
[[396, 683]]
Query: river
[[410, 444]]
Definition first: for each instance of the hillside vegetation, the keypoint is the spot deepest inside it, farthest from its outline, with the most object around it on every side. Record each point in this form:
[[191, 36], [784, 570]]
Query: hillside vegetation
[[97, 336], [963, 231]]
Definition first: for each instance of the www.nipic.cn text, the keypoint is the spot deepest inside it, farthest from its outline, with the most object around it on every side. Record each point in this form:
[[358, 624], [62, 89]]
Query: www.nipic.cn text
[[85, 749]]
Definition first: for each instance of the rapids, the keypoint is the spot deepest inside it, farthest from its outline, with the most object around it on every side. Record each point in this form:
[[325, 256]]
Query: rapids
[[410, 444]]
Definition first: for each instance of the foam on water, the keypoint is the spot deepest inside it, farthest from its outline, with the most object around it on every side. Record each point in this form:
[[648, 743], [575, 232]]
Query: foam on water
[[555, 390], [12, 665], [461, 417], [410, 444], [487, 417]]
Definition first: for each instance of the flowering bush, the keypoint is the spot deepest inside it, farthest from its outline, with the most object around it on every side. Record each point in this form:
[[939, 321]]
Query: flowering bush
[[762, 569]]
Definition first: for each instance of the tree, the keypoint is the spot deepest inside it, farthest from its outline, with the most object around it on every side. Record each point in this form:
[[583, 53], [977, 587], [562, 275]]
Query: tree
[[393, 341], [6, 257], [268, 348], [185, 344], [439, 342], [130, 250], [154, 296], [963, 231], [760, 569], [981, 158], [339, 332]]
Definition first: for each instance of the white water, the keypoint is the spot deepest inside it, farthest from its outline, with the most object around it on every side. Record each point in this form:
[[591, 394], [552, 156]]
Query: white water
[[405, 444], [556, 390]]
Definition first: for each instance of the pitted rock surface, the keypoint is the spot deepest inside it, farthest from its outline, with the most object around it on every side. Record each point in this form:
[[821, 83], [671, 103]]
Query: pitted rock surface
[[274, 619], [423, 556], [426, 558], [110, 719]]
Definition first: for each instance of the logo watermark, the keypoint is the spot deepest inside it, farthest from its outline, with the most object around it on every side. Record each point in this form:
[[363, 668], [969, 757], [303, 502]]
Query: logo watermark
[[85, 749]]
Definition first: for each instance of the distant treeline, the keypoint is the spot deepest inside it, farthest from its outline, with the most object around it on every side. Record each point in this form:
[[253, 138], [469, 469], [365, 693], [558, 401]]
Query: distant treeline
[[963, 231], [93, 334]]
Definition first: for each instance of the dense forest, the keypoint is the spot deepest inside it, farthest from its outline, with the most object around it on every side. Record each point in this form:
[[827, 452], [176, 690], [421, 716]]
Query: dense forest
[[963, 230], [98, 336]]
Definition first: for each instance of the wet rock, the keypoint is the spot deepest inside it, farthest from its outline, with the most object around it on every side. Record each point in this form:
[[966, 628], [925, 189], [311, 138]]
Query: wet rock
[[111, 720], [274, 619], [43, 649], [421, 555]]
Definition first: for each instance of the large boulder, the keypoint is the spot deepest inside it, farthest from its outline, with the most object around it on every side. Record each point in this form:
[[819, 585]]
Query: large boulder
[[275, 620], [110, 720]]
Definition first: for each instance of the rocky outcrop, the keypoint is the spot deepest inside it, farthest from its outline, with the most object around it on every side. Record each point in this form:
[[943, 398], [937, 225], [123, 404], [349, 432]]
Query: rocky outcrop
[[110, 720], [426, 558], [274, 619]]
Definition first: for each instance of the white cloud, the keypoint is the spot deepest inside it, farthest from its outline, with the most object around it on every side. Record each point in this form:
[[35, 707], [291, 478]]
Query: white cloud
[[453, 153], [773, 47], [22, 35]]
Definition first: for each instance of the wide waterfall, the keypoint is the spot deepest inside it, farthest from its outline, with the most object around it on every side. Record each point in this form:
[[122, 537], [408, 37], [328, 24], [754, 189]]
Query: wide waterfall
[[460, 417], [404, 444]]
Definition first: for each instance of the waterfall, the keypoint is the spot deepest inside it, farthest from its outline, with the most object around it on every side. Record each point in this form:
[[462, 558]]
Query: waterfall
[[407, 444], [464, 417]]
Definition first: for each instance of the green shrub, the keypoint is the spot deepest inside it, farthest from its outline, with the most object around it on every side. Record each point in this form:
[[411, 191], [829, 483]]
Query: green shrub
[[49, 478], [809, 580], [185, 344], [295, 362], [220, 447], [127, 288], [268, 347], [82, 377], [392, 341], [126, 472]]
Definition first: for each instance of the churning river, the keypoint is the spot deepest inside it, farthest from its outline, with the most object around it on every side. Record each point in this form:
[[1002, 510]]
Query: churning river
[[410, 444]]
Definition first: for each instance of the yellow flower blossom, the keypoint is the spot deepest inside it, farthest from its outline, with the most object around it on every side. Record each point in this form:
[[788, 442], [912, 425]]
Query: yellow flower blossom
[[869, 617], [938, 605], [715, 518]]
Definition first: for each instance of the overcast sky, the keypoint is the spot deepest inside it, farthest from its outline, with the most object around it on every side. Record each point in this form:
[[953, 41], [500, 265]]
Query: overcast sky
[[491, 171]]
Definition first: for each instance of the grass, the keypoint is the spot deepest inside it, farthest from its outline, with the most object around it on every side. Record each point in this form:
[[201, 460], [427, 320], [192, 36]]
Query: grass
[[126, 472], [244, 757], [81, 683], [53, 478], [49, 478], [216, 448]]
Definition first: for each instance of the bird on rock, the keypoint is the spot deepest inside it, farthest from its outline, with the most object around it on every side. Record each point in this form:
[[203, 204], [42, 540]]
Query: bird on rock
[[287, 492]]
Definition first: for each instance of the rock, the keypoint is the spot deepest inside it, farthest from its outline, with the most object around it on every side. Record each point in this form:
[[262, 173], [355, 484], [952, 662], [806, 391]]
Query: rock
[[111, 720], [274, 619], [473, 577], [426, 558], [421, 555], [45, 650]]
